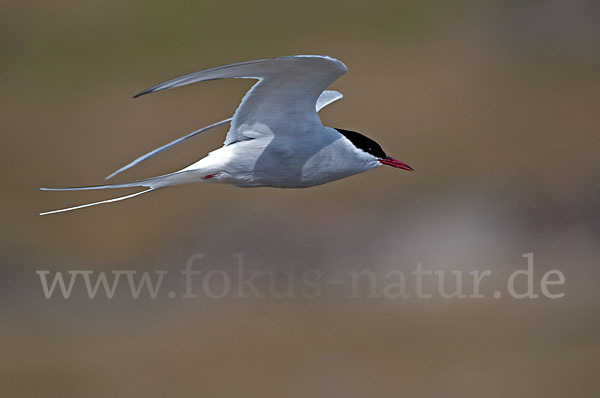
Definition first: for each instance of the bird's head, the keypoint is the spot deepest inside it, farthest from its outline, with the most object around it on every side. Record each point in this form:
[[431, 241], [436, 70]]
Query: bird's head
[[369, 146]]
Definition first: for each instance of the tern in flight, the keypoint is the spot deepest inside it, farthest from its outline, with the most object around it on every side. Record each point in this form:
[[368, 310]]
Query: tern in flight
[[275, 139]]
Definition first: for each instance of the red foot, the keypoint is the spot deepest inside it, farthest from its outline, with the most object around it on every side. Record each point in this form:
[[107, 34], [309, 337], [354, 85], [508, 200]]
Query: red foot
[[209, 176]]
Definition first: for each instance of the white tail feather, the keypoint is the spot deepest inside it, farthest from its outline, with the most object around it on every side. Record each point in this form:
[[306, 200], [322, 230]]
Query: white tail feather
[[177, 178], [98, 203]]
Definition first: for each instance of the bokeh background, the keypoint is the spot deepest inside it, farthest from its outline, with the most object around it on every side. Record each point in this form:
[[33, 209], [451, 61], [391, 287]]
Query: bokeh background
[[494, 103]]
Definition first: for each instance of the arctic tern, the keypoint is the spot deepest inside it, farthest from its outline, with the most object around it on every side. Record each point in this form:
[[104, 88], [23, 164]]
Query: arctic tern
[[275, 139]]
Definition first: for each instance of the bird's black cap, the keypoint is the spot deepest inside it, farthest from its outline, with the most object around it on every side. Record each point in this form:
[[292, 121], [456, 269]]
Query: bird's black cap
[[364, 143]]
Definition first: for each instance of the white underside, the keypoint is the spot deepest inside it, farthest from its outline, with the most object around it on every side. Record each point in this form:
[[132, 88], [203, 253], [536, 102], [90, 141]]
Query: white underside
[[314, 158]]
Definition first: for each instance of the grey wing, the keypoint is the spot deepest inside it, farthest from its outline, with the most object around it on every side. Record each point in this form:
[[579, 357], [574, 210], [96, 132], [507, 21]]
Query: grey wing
[[285, 95], [327, 97], [168, 146]]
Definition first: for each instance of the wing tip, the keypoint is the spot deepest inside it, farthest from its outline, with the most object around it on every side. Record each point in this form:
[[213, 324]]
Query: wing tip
[[111, 175], [142, 93], [148, 91]]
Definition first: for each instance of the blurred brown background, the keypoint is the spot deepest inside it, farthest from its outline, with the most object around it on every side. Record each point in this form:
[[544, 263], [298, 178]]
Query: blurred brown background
[[494, 103]]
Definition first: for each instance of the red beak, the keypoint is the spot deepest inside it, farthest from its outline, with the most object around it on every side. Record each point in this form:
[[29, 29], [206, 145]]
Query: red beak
[[396, 163]]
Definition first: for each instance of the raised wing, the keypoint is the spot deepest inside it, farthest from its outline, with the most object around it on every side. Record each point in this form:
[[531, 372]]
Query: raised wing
[[284, 99], [327, 97]]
